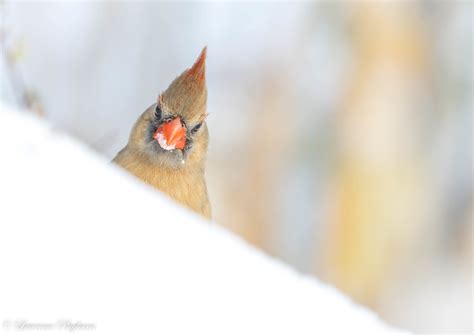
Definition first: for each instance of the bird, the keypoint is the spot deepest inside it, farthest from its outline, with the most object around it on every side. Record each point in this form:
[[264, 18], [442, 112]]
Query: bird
[[167, 146]]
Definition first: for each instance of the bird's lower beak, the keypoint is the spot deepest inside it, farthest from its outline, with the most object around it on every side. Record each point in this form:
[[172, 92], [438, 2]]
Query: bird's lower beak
[[171, 135]]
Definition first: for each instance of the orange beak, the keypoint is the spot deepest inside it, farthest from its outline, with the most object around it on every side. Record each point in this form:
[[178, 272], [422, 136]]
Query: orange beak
[[171, 135]]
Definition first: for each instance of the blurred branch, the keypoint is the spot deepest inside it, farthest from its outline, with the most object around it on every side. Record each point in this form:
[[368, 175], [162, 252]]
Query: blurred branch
[[25, 97]]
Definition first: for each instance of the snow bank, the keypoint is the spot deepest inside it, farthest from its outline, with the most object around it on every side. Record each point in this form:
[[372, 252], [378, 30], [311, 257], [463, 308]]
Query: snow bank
[[83, 244]]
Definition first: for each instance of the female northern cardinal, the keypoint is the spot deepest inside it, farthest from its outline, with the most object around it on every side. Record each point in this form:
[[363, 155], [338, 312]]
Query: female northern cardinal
[[168, 143]]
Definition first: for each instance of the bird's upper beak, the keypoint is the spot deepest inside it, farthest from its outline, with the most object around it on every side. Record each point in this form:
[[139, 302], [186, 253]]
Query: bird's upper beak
[[171, 135]]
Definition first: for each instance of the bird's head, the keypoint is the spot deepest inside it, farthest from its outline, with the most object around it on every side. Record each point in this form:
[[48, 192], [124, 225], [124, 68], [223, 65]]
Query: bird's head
[[173, 131]]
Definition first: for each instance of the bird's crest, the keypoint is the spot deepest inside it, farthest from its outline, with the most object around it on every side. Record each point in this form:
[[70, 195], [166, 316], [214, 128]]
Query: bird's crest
[[187, 94]]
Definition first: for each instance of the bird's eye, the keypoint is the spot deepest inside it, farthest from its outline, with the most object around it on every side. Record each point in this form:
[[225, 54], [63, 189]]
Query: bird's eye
[[196, 128], [158, 112]]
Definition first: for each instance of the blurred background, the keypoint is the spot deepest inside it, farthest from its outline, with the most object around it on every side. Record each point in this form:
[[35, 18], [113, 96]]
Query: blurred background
[[341, 133]]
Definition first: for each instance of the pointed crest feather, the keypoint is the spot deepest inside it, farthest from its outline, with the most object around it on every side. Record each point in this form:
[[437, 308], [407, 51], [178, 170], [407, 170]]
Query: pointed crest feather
[[198, 70], [187, 94]]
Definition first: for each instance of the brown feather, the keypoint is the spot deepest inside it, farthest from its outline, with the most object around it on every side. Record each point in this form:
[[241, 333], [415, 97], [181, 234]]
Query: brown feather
[[186, 97]]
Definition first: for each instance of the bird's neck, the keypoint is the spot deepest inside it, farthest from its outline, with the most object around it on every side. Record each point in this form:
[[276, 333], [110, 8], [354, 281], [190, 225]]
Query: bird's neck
[[185, 184]]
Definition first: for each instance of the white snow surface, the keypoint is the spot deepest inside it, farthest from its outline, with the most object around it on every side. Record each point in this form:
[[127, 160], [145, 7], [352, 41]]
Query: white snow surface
[[83, 242]]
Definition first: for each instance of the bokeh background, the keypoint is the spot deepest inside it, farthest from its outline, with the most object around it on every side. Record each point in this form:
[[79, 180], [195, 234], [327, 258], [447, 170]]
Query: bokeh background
[[341, 132]]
